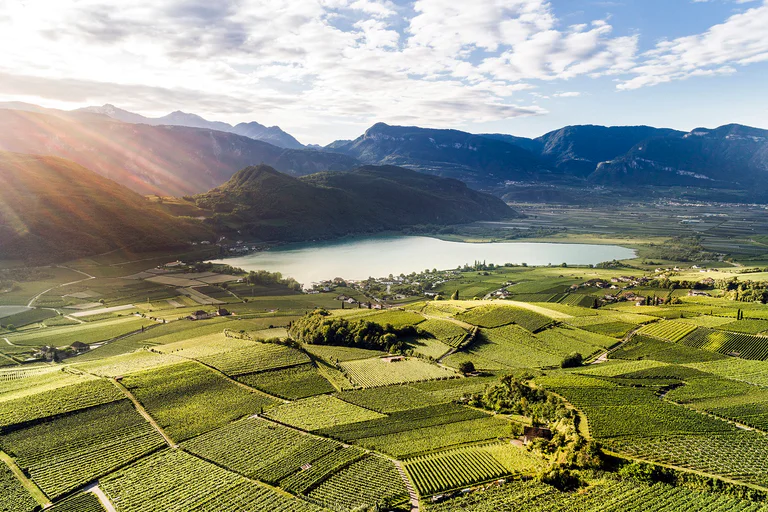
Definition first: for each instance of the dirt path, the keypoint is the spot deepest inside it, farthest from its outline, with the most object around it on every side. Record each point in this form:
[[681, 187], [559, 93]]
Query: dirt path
[[87, 278], [144, 413], [105, 502], [28, 484], [411, 492], [604, 356], [470, 338], [9, 342]]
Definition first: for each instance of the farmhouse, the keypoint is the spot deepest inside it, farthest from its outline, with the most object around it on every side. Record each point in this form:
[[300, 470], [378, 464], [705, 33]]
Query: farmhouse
[[79, 347], [200, 315]]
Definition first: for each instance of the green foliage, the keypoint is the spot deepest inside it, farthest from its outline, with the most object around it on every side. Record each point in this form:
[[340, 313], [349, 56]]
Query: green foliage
[[320, 412], [86, 502], [376, 372], [572, 360], [15, 497], [319, 328]]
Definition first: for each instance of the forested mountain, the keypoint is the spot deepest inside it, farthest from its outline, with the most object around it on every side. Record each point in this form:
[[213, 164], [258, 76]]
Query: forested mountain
[[165, 160], [731, 156], [477, 160], [269, 205], [51, 208]]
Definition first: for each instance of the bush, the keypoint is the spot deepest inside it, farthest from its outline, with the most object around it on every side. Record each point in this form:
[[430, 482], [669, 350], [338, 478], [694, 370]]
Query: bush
[[572, 360], [562, 479]]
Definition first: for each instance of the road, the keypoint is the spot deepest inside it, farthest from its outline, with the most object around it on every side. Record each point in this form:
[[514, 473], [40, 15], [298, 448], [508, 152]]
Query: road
[[105, 502]]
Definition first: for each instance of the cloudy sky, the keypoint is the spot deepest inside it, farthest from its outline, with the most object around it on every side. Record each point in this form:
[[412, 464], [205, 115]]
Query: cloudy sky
[[327, 69]]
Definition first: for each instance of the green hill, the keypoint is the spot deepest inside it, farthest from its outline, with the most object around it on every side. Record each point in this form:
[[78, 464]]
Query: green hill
[[54, 209], [269, 205]]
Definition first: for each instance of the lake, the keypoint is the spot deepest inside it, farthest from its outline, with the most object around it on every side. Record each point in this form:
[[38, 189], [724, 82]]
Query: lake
[[360, 258]]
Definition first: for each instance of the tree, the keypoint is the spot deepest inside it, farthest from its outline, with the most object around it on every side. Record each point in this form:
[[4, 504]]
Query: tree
[[467, 367], [455, 295], [572, 360]]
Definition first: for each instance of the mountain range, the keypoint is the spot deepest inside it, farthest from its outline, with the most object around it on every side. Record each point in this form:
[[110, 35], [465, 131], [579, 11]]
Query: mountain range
[[52, 209], [184, 154], [271, 134], [164, 160]]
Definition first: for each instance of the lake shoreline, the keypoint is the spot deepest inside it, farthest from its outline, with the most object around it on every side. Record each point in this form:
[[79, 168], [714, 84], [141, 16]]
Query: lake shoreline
[[357, 258]]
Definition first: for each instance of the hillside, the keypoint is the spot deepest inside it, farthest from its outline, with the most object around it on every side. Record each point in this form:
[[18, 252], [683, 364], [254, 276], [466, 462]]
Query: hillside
[[271, 134], [54, 209], [269, 205], [165, 160], [477, 160]]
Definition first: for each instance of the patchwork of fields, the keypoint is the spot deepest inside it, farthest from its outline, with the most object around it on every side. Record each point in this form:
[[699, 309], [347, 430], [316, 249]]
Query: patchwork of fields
[[228, 413]]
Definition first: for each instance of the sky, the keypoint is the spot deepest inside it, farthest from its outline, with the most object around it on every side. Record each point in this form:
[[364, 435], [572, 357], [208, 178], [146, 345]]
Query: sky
[[328, 69]]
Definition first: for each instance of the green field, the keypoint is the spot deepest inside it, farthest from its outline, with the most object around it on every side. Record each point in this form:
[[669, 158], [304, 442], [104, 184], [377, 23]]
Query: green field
[[229, 413]]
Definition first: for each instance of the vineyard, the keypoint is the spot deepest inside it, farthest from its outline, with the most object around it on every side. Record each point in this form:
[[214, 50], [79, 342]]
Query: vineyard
[[260, 449], [253, 425], [741, 456], [409, 443], [389, 399], [310, 477], [395, 318], [86, 502], [173, 480], [290, 383], [513, 347], [643, 347], [69, 451], [188, 399], [367, 483], [738, 344], [57, 401], [496, 316], [256, 358], [320, 412], [667, 330], [606, 495], [612, 329], [15, 496], [85, 333], [375, 372], [453, 469], [446, 331]]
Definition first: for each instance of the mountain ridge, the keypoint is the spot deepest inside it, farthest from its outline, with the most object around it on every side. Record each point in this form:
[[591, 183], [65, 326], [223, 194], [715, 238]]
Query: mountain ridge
[[164, 160], [271, 134]]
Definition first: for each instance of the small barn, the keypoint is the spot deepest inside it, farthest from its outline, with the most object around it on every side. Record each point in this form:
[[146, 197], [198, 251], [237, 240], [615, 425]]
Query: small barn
[[531, 433]]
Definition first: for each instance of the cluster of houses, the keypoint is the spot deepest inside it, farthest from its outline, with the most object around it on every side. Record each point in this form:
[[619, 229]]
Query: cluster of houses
[[204, 315]]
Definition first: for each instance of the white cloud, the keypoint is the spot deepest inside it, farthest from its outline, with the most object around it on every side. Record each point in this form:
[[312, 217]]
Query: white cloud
[[569, 94], [738, 41], [315, 66]]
